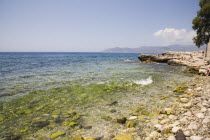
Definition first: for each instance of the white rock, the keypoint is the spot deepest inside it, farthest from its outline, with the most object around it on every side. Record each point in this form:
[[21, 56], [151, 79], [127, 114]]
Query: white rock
[[199, 104], [196, 138], [184, 100], [154, 134], [172, 117], [133, 117], [199, 115], [130, 130], [203, 109], [175, 123], [164, 121], [175, 129], [187, 133], [193, 125], [183, 120], [188, 114], [189, 89], [188, 105], [160, 117], [205, 104], [206, 120], [159, 127], [171, 138], [199, 88]]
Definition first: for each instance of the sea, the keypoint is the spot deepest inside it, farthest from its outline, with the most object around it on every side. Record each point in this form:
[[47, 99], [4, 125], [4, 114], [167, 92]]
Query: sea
[[80, 93]]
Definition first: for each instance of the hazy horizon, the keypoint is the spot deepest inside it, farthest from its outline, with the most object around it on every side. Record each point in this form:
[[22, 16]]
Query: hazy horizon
[[93, 26]]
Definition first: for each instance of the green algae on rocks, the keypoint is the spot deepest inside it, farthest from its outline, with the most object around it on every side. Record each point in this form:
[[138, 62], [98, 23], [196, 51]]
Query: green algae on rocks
[[180, 89], [53, 107]]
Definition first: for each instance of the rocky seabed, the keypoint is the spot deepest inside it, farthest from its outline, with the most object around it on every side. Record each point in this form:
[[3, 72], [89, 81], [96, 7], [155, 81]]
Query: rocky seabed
[[187, 119]]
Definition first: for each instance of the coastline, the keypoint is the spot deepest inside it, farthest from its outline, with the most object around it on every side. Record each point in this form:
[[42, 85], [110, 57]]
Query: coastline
[[114, 110], [190, 115], [195, 61]]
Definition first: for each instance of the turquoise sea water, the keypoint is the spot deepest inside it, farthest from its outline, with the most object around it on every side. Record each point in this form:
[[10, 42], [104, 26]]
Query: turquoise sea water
[[41, 93]]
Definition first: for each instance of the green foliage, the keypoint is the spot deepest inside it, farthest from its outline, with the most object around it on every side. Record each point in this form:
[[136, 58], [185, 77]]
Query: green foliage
[[201, 24]]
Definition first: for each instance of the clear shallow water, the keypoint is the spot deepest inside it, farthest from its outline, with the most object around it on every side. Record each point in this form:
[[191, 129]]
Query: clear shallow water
[[22, 72], [87, 83]]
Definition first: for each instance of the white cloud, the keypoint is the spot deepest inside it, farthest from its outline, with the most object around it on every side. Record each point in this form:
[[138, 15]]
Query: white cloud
[[170, 36]]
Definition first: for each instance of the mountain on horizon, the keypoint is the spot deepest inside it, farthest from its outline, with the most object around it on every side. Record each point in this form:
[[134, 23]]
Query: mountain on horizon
[[155, 49]]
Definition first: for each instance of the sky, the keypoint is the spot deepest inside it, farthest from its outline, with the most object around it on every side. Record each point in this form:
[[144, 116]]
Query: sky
[[94, 25]]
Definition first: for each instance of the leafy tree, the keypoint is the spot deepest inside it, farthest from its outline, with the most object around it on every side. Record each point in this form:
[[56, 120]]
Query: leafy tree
[[201, 24]]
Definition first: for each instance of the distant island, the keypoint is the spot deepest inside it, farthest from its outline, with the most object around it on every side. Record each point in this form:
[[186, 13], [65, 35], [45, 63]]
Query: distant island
[[154, 49]]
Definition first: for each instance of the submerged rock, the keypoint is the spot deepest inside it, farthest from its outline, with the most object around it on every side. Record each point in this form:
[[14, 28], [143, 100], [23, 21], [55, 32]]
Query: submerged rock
[[40, 124], [180, 89], [130, 124], [90, 138], [107, 118], [121, 120], [77, 138], [57, 134], [123, 137], [168, 111], [112, 103], [130, 130]]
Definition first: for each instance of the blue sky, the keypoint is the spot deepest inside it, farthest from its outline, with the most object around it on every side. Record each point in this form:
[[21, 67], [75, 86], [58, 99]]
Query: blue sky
[[94, 25]]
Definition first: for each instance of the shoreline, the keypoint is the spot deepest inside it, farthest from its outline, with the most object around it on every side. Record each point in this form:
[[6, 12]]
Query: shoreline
[[190, 114], [195, 61], [131, 112]]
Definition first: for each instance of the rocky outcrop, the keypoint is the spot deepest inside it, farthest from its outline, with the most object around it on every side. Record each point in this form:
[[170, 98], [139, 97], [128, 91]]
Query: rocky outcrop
[[193, 60], [153, 58]]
